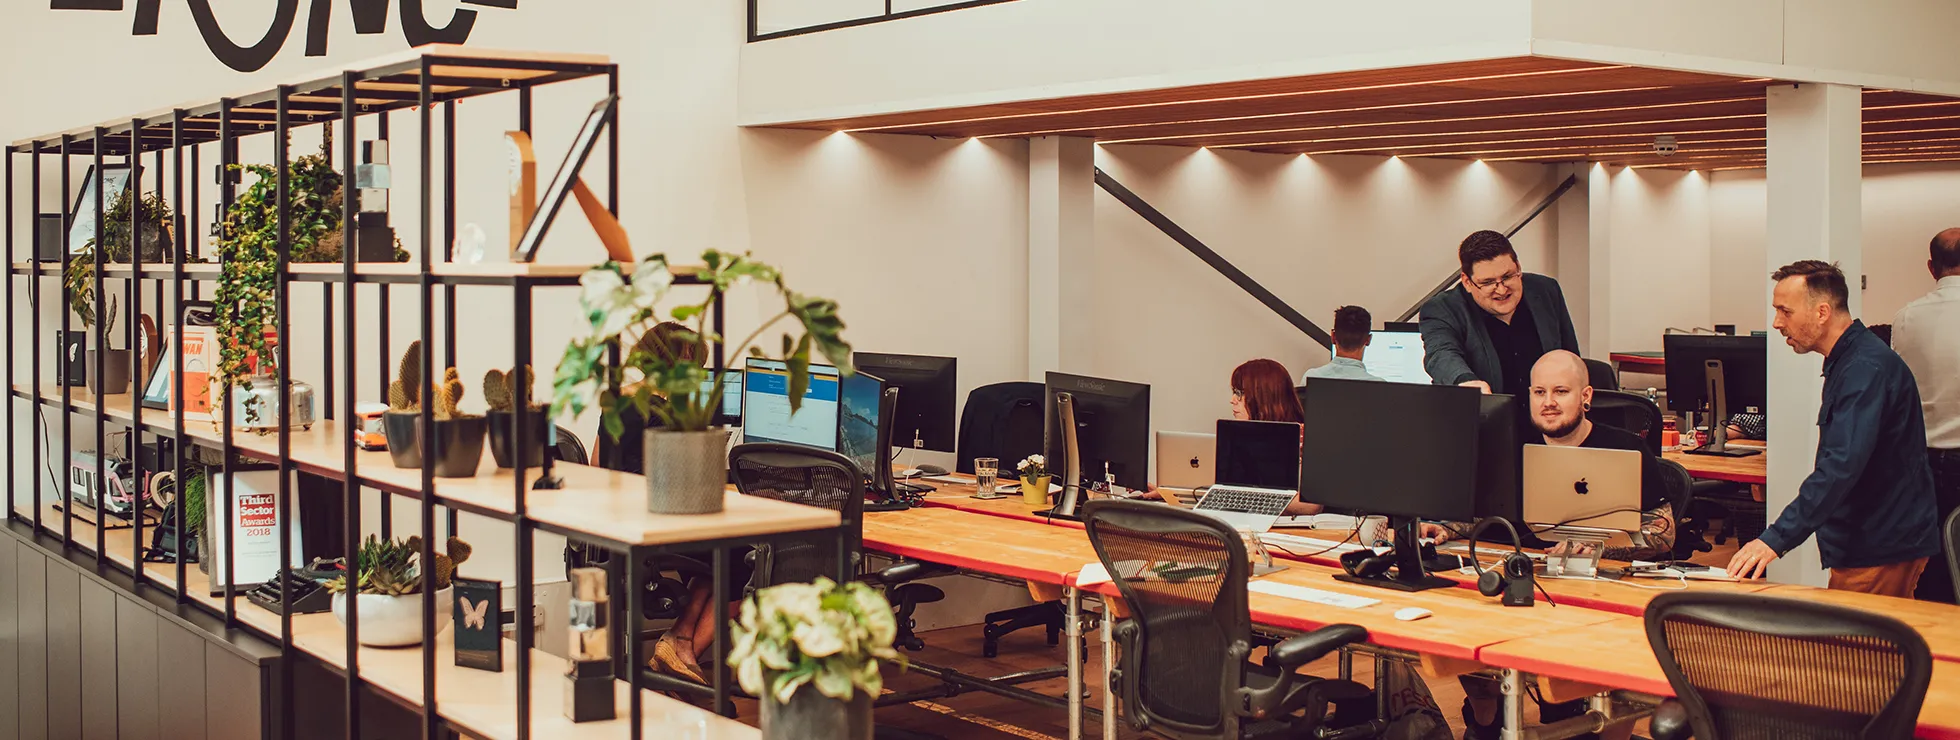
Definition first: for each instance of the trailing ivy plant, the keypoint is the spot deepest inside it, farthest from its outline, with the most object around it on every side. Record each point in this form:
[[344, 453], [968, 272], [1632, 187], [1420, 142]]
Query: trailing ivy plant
[[248, 248]]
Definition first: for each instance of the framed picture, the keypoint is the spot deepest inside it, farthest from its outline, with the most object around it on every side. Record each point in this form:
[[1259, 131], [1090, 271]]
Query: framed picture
[[156, 393], [113, 179], [561, 183]]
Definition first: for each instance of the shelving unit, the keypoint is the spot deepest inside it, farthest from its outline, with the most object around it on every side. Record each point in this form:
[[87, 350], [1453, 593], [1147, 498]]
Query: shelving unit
[[590, 505]]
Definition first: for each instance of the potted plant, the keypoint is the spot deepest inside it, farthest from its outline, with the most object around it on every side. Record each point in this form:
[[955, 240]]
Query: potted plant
[[458, 436], [115, 362], [500, 391], [686, 458], [388, 583], [812, 652], [1033, 470]]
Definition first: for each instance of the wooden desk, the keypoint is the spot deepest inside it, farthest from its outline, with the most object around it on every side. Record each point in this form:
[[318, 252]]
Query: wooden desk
[[1615, 654], [1652, 363], [1026, 550], [1753, 469], [1938, 623]]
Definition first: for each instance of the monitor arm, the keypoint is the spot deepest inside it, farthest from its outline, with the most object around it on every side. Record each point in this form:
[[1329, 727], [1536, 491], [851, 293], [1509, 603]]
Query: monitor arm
[[1071, 498], [1715, 385]]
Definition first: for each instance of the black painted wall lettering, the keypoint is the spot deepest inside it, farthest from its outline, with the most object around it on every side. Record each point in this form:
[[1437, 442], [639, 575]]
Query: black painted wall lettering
[[370, 17]]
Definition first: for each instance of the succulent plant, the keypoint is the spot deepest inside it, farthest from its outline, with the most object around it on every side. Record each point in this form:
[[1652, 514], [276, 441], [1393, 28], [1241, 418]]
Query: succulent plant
[[388, 567], [404, 394], [500, 389]]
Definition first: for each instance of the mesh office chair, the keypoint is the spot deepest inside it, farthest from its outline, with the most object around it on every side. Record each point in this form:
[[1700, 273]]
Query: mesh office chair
[[569, 449], [1747, 666], [827, 480], [1690, 529], [1601, 376], [1951, 532], [1183, 671], [1629, 411], [1005, 421]]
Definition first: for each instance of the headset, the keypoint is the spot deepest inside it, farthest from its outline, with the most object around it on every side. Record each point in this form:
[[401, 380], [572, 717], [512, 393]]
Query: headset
[[1512, 579], [1364, 563]]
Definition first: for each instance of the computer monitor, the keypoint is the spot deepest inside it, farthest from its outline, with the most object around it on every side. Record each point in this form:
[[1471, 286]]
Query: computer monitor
[[1111, 435], [766, 415], [1725, 374], [928, 392], [1257, 454], [1408, 451], [859, 400], [731, 398], [1502, 430], [1395, 354]]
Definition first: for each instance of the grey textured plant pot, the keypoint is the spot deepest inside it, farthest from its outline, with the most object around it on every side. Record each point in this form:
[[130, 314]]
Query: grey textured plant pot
[[687, 472], [115, 373], [810, 714]]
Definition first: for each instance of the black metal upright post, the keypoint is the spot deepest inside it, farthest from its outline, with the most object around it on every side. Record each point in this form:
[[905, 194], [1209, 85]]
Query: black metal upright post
[[132, 307], [281, 379], [221, 402], [385, 354], [448, 252], [62, 361], [431, 721], [13, 472], [101, 344], [520, 418], [185, 214], [350, 484], [35, 402]]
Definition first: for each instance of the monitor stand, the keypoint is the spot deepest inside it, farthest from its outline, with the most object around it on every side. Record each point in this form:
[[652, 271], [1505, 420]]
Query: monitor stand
[[1408, 573], [1582, 551], [1718, 427]]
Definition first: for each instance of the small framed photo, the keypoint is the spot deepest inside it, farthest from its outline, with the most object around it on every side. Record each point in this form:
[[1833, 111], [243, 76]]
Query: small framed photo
[[113, 179]]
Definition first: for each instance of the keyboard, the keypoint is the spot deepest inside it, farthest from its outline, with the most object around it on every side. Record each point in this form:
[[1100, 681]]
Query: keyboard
[[1237, 500], [1311, 595]]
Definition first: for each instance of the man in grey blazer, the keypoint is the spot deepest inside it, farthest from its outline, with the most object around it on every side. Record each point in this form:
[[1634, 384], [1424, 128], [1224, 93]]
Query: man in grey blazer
[[1492, 327]]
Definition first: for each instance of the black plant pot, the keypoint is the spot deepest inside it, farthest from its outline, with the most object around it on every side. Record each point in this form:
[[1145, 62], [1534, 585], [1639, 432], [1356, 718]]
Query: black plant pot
[[503, 437], [403, 445], [459, 446]]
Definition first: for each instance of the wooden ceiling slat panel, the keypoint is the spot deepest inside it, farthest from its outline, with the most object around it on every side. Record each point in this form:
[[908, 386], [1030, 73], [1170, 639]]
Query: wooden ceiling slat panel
[[1521, 109]]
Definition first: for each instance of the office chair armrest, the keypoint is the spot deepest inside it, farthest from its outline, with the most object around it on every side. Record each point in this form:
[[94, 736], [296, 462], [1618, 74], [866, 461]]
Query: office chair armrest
[[1670, 722], [1301, 650], [907, 572]]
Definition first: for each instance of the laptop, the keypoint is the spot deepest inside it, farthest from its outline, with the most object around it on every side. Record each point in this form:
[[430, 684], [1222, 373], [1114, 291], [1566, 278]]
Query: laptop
[[1184, 461], [1576, 487], [1257, 467]]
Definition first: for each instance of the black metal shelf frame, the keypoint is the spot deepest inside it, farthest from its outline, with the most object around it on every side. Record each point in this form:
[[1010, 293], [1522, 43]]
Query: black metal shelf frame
[[223, 124]]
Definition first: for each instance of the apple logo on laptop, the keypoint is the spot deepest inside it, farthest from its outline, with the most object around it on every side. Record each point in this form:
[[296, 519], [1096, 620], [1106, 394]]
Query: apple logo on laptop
[[1194, 462], [1580, 487]]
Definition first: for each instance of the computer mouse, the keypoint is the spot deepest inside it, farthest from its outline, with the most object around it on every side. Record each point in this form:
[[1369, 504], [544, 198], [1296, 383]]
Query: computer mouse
[[1411, 614], [931, 470]]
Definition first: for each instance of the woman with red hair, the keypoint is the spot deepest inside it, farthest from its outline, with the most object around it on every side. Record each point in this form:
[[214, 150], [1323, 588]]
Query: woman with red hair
[[1262, 390]]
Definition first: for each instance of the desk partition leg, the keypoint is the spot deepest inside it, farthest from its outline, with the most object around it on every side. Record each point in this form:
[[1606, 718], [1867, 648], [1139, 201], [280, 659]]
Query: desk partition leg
[[1073, 597], [1513, 687], [1381, 687], [1109, 662], [1347, 664]]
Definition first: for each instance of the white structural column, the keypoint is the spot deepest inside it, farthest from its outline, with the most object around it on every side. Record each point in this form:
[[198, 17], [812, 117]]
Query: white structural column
[[1814, 182], [1599, 262], [1061, 244]]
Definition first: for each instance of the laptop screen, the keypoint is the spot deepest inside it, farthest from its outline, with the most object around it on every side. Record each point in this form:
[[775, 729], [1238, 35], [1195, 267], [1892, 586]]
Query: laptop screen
[[1258, 454]]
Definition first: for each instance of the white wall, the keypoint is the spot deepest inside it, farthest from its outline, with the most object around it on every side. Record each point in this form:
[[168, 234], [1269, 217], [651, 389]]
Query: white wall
[[1320, 232], [1904, 206], [1659, 256]]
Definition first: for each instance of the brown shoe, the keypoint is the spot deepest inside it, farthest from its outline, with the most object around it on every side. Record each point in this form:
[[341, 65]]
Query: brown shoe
[[670, 657]]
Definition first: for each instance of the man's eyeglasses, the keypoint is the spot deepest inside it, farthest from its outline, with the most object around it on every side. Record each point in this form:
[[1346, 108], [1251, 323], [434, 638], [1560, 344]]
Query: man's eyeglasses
[[1490, 285]]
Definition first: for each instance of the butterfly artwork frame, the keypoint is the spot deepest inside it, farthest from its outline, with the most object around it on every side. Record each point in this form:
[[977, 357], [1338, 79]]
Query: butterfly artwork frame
[[479, 624]]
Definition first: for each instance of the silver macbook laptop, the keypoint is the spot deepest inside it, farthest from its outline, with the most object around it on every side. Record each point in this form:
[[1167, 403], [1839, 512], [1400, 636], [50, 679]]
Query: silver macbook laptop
[[1184, 460], [1258, 473], [1579, 488]]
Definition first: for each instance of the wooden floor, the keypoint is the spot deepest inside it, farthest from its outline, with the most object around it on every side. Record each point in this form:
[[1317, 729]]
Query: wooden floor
[[984, 716]]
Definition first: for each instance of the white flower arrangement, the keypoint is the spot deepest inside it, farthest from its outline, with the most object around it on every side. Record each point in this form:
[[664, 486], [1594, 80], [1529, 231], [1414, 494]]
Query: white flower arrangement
[[1032, 466], [830, 636]]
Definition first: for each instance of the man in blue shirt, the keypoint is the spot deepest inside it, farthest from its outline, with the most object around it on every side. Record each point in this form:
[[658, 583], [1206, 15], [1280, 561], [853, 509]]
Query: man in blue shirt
[[1869, 499], [1353, 330]]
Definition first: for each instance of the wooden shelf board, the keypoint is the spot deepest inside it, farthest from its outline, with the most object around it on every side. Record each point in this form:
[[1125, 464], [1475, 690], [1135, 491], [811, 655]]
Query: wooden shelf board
[[480, 701], [600, 503]]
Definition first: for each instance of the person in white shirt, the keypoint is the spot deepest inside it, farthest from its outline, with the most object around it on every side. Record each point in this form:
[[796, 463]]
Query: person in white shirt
[[1926, 334], [1353, 330]]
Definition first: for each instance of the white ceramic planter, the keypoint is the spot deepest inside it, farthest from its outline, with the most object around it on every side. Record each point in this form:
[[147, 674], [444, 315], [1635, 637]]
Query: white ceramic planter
[[395, 621]]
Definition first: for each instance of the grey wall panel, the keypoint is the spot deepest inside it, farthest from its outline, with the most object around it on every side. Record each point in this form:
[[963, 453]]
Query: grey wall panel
[[31, 583], [98, 661], [136, 670], [180, 681], [9, 644], [233, 690], [64, 651]]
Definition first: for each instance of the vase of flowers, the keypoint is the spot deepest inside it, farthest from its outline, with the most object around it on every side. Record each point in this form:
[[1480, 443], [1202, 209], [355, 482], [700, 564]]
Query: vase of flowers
[[1034, 479], [812, 652], [663, 375], [389, 587]]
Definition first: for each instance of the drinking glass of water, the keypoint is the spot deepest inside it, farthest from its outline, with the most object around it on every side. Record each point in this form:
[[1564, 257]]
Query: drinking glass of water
[[985, 469]]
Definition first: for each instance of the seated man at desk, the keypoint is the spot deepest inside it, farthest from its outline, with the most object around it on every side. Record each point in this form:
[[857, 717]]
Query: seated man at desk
[[1353, 329]]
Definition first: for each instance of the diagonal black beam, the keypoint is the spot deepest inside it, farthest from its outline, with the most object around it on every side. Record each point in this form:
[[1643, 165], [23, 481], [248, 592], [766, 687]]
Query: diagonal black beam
[[1570, 180], [1191, 243]]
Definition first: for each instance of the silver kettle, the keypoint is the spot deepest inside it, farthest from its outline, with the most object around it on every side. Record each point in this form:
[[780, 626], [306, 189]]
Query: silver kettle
[[256, 408]]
